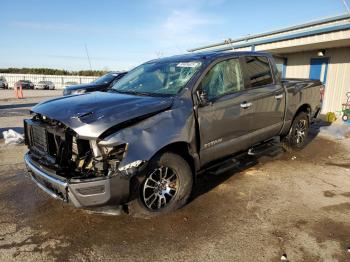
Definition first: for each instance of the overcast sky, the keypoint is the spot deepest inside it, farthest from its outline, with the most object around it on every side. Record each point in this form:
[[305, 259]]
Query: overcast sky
[[123, 34]]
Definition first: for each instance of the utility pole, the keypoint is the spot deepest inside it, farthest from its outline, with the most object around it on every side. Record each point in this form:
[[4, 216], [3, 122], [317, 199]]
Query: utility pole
[[88, 57]]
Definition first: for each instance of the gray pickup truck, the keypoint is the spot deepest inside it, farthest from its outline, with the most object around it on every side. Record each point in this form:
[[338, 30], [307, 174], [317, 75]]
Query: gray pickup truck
[[142, 144]]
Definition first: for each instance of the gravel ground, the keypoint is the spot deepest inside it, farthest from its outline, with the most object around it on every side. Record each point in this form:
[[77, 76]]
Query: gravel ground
[[297, 204]]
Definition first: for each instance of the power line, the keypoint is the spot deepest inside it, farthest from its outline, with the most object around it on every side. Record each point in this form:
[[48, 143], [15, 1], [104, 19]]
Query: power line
[[346, 6]]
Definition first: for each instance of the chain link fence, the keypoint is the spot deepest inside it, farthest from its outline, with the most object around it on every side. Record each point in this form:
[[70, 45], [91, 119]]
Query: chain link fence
[[59, 81]]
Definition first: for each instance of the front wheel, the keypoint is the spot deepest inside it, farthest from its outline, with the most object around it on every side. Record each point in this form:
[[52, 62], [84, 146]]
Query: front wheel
[[345, 117], [165, 186], [298, 133]]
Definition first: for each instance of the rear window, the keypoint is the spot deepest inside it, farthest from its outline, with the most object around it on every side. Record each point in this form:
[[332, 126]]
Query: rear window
[[259, 71]]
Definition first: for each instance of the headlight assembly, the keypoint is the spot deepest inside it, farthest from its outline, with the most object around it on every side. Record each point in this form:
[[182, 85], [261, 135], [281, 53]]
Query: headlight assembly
[[113, 152]]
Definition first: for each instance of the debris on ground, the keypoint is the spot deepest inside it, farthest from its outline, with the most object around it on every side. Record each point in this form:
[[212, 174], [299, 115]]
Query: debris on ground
[[294, 157], [284, 257], [330, 116], [11, 137]]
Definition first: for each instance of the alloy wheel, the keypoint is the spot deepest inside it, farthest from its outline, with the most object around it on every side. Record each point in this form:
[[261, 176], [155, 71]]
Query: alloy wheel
[[160, 188], [300, 131]]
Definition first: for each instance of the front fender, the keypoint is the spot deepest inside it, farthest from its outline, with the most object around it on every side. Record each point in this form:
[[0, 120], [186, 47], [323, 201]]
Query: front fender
[[147, 137]]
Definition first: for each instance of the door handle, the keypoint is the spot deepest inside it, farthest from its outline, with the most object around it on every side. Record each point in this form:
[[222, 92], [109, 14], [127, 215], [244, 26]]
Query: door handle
[[279, 96], [246, 105]]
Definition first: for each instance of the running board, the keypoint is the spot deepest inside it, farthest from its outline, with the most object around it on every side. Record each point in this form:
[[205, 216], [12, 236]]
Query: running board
[[271, 147], [235, 162], [224, 167]]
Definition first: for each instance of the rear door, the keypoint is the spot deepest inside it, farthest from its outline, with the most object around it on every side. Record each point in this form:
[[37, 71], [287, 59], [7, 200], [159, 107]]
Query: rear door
[[266, 96], [225, 121], [318, 69]]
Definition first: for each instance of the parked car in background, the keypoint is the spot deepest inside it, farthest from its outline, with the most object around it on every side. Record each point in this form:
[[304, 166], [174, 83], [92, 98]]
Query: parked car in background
[[70, 83], [26, 84], [143, 142], [100, 84], [45, 85], [3, 83]]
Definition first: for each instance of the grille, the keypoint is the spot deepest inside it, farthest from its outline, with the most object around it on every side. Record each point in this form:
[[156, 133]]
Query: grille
[[39, 138]]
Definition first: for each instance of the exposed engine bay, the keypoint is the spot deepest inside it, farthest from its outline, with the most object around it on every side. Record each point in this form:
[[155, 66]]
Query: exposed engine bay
[[57, 147]]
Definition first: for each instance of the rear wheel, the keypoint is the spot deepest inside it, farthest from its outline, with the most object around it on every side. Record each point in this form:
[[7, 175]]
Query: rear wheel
[[165, 186], [298, 133], [345, 117]]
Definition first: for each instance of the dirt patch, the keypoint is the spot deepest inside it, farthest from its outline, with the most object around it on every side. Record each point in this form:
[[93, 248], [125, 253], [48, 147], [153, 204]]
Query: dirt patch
[[308, 256], [301, 223], [328, 193], [342, 208], [328, 229], [343, 165], [347, 194]]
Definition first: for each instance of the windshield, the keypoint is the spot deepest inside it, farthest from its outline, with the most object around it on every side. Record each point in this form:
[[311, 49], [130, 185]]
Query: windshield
[[164, 78], [106, 79]]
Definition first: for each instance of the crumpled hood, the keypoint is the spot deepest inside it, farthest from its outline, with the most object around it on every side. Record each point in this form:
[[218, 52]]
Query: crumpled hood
[[91, 114]]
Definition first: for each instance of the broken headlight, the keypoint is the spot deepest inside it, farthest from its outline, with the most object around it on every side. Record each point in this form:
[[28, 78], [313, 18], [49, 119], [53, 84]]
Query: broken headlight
[[112, 155], [116, 152], [113, 152]]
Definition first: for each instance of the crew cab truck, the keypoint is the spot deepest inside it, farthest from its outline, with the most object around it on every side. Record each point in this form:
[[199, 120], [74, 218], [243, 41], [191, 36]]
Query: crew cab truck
[[142, 143]]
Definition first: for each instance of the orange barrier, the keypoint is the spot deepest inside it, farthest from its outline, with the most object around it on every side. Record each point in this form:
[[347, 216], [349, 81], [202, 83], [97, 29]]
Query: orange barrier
[[19, 92]]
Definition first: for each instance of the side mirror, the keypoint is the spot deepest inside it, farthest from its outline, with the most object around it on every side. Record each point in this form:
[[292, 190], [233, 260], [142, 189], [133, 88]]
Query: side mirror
[[202, 97]]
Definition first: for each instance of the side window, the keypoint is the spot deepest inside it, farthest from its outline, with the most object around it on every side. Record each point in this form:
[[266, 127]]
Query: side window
[[224, 78], [259, 71]]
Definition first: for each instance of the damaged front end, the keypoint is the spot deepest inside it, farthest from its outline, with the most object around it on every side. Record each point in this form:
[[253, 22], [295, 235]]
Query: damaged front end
[[80, 171]]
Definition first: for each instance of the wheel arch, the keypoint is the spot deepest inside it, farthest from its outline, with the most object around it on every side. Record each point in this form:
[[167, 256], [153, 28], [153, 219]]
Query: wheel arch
[[306, 108], [183, 149]]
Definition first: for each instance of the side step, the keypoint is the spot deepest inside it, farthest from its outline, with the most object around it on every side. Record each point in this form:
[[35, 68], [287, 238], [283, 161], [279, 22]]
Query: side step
[[269, 148], [235, 162], [225, 166]]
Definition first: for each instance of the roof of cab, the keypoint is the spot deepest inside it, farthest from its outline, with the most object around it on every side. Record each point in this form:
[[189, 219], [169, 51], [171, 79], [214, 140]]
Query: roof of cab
[[209, 55]]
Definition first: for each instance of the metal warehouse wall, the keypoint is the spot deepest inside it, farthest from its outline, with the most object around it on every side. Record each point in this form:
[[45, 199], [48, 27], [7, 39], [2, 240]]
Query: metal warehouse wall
[[338, 75], [58, 80]]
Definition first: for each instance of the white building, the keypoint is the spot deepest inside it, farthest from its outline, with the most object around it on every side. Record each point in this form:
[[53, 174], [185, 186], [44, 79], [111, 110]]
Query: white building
[[316, 50]]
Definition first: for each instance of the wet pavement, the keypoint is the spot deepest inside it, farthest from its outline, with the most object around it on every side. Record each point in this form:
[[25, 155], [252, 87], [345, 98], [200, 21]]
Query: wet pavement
[[297, 204]]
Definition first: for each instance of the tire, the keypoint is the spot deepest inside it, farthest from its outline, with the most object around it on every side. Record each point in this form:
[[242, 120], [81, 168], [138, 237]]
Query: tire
[[169, 194], [298, 133], [345, 118]]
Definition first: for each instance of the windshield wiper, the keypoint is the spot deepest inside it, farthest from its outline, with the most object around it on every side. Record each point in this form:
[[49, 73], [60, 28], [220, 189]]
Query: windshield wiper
[[131, 92], [137, 93]]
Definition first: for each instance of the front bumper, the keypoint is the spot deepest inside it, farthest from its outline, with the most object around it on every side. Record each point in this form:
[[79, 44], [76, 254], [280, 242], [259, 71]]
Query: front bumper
[[81, 193]]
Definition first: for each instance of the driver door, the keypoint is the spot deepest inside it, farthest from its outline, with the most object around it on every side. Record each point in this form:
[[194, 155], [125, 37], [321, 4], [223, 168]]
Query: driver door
[[225, 121]]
